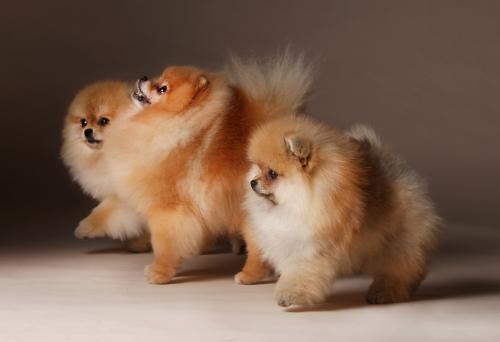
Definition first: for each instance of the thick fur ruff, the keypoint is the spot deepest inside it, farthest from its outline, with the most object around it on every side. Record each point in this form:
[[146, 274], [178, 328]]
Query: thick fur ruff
[[326, 203]]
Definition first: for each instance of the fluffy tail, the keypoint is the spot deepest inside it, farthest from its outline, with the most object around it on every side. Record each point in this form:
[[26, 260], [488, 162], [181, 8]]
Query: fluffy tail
[[365, 134], [281, 83], [393, 166]]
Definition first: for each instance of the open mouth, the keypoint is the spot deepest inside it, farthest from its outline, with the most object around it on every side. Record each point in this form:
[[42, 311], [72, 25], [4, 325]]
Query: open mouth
[[138, 93]]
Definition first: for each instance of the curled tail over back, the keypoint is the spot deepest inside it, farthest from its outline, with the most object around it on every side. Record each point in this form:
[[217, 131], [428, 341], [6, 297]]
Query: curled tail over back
[[393, 166], [280, 83], [365, 134]]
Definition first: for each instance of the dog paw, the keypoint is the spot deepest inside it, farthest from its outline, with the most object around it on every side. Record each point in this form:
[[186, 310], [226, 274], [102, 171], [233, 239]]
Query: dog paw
[[244, 278], [155, 276], [288, 297], [386, 295], [86, 230]]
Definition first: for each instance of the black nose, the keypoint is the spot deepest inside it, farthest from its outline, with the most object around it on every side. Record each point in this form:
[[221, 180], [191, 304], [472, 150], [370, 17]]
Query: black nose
[[143, 79], [253, 183], [88, 133]]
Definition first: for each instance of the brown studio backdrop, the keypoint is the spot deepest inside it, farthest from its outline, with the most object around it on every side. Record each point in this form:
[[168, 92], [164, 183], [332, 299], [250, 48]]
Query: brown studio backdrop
[[424, 74]]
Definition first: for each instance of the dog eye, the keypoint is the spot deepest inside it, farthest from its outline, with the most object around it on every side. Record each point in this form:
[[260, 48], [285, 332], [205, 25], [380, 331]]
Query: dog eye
[[83, 122], [103, 121], [272, 174], [163, 89]]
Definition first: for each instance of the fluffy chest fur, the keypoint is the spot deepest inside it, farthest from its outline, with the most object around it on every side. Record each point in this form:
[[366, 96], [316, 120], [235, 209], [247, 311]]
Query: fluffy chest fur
[[88, 168], [285, 236]]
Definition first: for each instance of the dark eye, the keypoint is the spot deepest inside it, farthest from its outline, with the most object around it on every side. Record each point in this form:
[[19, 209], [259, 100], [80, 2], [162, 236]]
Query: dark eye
[[103, 121], [83, 122], [163, 89], [272, 174]]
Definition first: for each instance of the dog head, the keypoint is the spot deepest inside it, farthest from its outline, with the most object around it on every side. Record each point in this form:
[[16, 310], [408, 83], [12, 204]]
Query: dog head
[[93, 110], [283, 158], [176, 89]]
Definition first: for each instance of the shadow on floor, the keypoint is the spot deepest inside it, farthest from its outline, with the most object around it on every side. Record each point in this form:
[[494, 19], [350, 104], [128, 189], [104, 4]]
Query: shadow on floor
[[428, 292], [458, 289], [215, 266], [110, 250]]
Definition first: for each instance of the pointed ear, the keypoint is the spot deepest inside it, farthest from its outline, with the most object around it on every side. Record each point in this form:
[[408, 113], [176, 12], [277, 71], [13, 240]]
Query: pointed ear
[[201, 85], [299, 148], [202, 82]]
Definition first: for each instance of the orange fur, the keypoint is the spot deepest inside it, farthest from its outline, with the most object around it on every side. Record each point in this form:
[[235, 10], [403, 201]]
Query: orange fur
[[184, 156]]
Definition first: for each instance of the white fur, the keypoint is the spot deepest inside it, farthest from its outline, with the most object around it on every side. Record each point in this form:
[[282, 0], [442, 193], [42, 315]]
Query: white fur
[[85, 163], [283, 230]]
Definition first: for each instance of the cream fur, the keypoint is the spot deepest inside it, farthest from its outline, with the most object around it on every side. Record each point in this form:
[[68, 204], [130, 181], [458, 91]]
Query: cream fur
[[111, 218], [310, 237], [281, 83]]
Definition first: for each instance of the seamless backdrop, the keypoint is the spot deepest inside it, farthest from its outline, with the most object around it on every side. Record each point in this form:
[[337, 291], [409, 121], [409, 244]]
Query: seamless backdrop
[[424, 74]]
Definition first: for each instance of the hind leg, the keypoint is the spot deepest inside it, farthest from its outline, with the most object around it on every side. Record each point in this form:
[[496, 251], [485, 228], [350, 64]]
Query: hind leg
[[176, 233], [386, 289], [397, 278], [140, 244]]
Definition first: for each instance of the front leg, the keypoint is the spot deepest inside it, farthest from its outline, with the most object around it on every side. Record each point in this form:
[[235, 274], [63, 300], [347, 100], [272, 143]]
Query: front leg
[[112, 218], [255, 268], [176, 233], [305, 282], [95, 225]]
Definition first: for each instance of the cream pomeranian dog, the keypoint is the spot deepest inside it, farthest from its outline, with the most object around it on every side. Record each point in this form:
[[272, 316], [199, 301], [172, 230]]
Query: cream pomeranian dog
[[181, 161], [323, 203], [91, 116]]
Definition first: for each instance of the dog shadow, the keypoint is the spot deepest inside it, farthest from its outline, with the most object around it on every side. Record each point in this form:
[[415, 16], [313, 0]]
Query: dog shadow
[[457, 289], [428, 292], [110, 250], [230, 268], [122, 249], [224, 266], [208, 275], [341, 301]]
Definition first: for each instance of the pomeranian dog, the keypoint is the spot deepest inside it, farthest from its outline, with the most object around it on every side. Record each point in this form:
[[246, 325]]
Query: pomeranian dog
[[323, 203], [181, 161], [91, 116]]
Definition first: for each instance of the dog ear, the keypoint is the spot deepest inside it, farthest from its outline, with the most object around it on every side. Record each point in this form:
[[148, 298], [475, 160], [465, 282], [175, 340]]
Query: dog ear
[[299, 148], [202, 84]]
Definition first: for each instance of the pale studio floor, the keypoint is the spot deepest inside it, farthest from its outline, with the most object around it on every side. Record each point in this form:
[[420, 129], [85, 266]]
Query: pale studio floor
[[58, 289]]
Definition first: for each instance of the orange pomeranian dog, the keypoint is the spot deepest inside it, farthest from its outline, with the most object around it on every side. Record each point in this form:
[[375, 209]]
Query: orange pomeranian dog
[[323, 203], [91, 116], [181, 161]]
